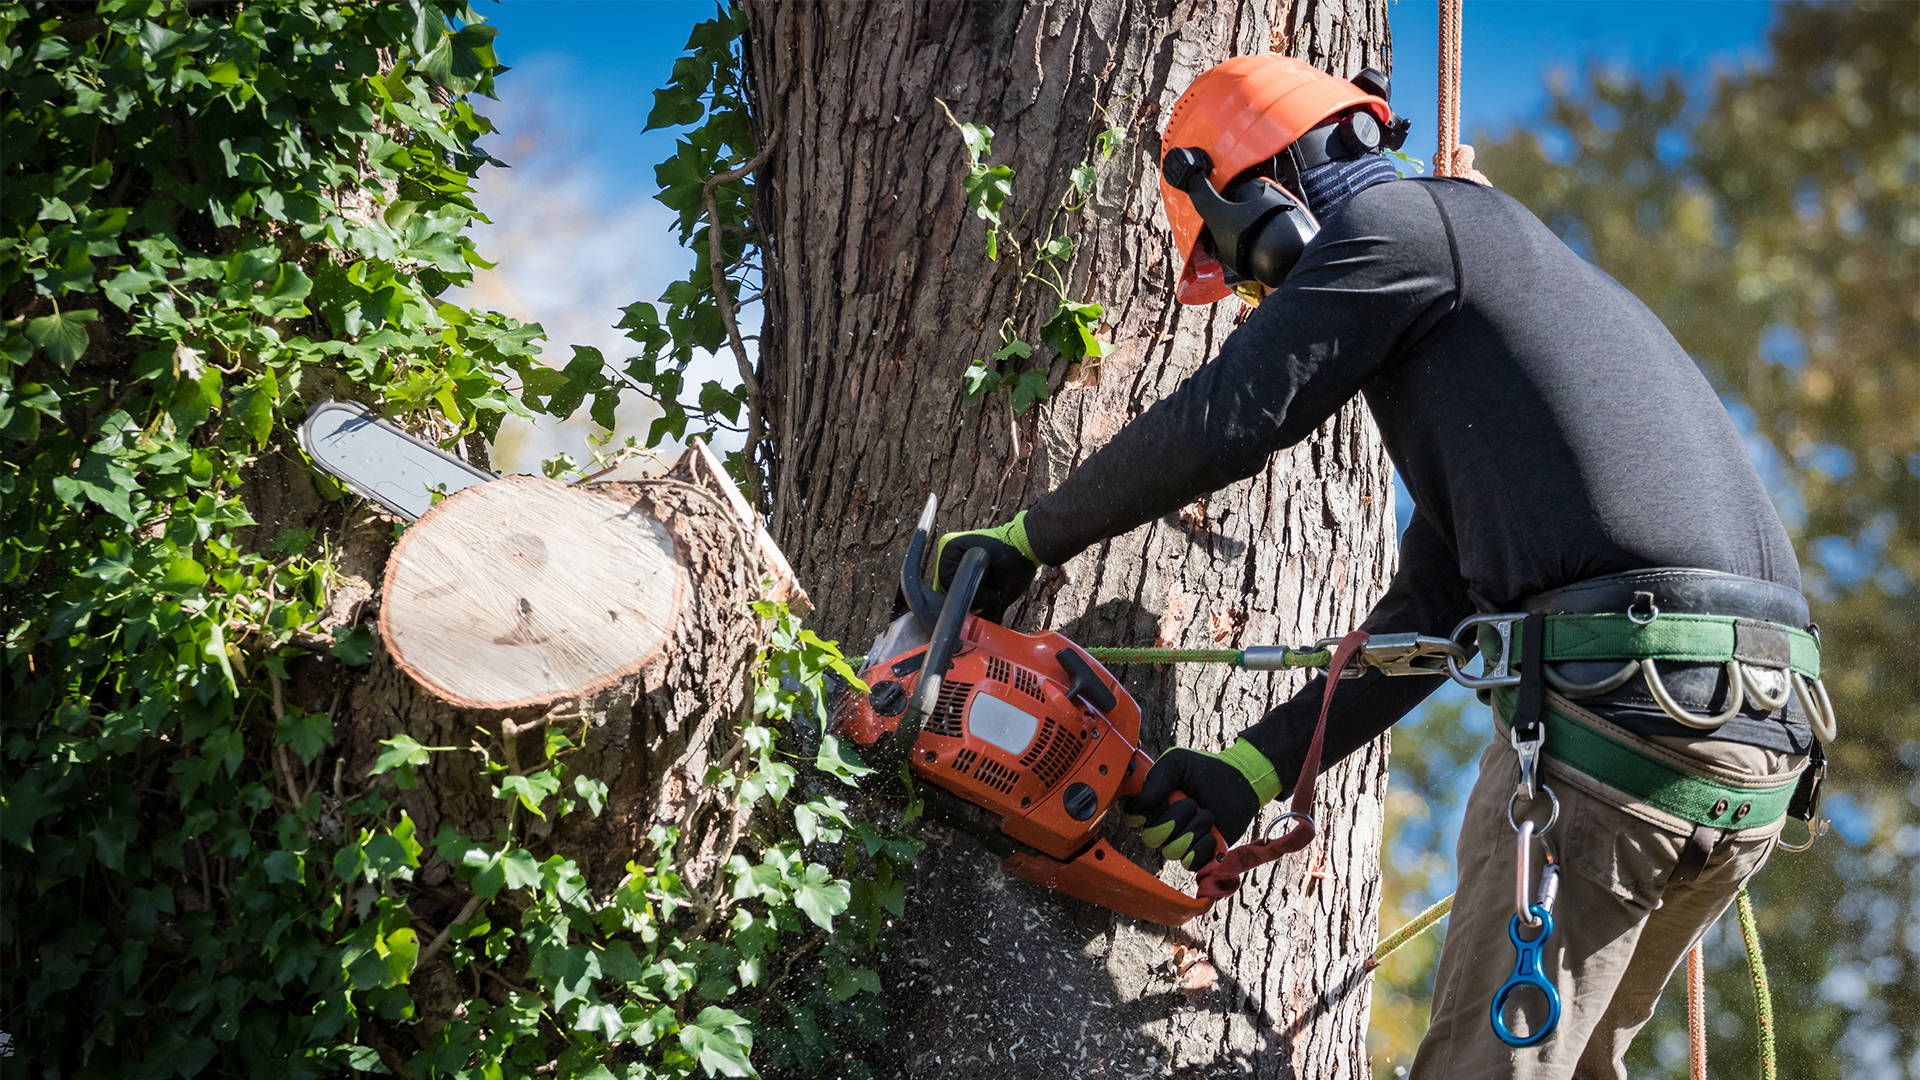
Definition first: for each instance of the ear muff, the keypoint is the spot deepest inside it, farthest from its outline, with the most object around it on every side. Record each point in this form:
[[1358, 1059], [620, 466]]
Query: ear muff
[[1259, 229]]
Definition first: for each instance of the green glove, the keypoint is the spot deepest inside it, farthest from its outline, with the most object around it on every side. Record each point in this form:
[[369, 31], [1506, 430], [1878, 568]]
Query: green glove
[[1010, 564], [1224, 791]]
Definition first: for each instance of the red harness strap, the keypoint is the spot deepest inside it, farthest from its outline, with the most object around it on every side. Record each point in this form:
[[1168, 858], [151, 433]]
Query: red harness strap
[[1221, 877]]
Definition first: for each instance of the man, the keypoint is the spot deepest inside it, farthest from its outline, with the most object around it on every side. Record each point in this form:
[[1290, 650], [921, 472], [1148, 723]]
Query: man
[[1565, 456]]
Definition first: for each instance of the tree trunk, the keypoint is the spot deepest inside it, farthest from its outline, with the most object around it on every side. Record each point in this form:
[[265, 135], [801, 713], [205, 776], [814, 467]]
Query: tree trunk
[[878, 296]]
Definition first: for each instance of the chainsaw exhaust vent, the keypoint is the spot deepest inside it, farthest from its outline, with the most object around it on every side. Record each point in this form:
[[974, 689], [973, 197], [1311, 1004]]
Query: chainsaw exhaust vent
[[1053, 753], [945, 719], [964, 760]]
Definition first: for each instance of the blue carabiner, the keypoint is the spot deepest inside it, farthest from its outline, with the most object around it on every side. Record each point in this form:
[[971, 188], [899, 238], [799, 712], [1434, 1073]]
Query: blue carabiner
[[1527, 972]]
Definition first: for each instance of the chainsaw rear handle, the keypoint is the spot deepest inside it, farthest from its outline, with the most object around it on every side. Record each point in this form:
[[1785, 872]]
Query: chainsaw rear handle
[[946, 636], [1137, 779]]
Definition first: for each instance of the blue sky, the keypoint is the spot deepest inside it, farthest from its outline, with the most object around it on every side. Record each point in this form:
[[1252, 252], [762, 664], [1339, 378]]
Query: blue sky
[[603, 58], [579, 235]]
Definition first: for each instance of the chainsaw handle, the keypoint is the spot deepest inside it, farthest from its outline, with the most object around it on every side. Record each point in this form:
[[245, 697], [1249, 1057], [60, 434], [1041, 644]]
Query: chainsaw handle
[[1219, 840], [1136, 778]]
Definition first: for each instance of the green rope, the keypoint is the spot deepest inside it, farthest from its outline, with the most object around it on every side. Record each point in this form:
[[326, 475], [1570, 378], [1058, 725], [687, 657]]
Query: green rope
[[1410, 931], [1165, 656], [1294, 658], [1762, 995]]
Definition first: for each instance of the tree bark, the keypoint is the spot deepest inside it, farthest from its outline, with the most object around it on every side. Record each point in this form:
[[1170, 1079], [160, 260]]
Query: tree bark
[[878, 296]]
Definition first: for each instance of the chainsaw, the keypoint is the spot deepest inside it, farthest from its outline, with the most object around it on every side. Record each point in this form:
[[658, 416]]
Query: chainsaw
[[1027, 743]]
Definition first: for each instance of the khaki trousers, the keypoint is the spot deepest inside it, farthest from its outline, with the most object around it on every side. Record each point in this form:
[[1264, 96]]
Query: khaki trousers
[[1621, 926]]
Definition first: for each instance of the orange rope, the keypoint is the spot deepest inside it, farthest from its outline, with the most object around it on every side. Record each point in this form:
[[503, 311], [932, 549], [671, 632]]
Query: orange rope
[[1451, 157], [1448, 130], [1697, 1012]]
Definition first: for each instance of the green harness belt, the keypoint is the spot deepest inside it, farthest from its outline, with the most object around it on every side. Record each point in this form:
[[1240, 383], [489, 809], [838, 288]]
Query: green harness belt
[[1702, 800], [1681, 638]]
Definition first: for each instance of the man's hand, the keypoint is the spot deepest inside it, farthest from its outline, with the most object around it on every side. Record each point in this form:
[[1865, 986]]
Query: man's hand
[[1224, 791], [1010, 564]]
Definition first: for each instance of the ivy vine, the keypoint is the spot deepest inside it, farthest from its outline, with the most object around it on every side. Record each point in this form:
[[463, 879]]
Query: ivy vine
[[1071, 330]]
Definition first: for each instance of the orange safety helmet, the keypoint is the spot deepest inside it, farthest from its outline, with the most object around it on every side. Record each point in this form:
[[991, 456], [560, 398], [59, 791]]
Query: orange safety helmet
[[1242, 113]]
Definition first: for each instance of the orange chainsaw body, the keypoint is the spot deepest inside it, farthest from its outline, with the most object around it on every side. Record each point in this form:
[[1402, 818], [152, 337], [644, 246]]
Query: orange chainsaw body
[[1006, 735]]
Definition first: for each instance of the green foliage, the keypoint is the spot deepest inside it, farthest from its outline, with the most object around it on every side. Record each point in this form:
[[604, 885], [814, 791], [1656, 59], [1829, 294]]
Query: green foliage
[[708, 91], [1072, 330], [1768, 219], [214, 215]]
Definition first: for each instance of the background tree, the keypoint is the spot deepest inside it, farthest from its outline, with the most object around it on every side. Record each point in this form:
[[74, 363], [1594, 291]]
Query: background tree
[[1770, 221], [927, 280]]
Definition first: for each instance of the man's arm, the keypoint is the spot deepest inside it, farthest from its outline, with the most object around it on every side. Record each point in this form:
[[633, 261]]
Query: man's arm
[[1376, 280], [1427, 596]]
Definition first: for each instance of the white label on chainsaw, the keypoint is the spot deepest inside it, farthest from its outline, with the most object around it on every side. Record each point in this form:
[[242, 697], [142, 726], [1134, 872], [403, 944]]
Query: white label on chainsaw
[[1006, 726]]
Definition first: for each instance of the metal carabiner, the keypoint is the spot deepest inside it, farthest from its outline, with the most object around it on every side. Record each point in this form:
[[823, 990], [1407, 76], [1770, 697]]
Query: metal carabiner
[[1497, 672], [1401, 654], [1527, 971]]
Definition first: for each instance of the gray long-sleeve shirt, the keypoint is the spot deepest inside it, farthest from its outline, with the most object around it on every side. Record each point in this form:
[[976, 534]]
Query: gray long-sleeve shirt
[[1548, 426]]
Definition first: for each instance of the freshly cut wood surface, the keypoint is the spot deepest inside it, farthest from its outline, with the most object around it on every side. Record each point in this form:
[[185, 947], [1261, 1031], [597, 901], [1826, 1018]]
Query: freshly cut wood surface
[[524, 591]]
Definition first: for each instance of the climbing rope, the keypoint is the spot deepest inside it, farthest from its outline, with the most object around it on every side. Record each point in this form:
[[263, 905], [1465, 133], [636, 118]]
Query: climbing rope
[[1451, 157], [1294, 658], [1410, 931], [1697, 1012], [1447, 132], [1762, 993]]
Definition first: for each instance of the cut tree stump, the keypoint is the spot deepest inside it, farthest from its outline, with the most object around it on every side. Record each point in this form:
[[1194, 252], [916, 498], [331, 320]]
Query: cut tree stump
[[524, 591]]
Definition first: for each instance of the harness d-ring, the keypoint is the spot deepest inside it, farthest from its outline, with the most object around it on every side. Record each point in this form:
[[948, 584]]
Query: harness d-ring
[[1819, 713], [1527, 972], [1761, 696], [1736, 697]]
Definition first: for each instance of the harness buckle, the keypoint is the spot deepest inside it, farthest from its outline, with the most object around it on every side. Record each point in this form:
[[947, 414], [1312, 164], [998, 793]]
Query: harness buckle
[[1498, 671]]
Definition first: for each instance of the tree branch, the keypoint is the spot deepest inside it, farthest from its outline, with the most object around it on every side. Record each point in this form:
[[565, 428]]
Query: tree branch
[[716, 258]]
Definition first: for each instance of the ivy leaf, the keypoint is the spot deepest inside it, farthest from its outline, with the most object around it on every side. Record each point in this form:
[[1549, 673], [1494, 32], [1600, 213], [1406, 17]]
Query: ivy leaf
[[401, 750], [979, 140], [353, 646], [1109, 140], [1013, 348], [62, 335], [1071, 331], [307, 733], [836, 760], [594, 792], [519, 870], [980, 380], [602, 1020], [821, 896], [531, 790], [1082, 178], [987, 191], [103, 481], [720, 1040], [1030, 387]]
